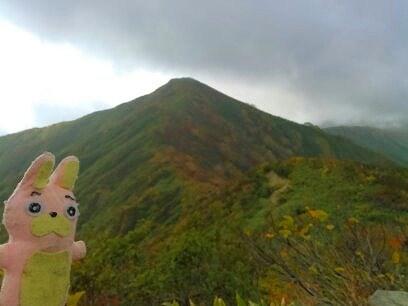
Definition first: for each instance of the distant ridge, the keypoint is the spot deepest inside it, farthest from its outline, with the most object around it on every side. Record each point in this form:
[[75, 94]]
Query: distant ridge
[[391, 142]]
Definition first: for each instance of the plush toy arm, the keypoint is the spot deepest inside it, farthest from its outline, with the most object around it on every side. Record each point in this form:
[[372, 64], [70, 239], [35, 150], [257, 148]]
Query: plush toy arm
[[78, 250], [4, 256]]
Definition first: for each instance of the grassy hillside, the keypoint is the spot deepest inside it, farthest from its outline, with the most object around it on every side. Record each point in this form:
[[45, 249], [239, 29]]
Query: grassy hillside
[[247, 237], [165, 193], [392, 142]]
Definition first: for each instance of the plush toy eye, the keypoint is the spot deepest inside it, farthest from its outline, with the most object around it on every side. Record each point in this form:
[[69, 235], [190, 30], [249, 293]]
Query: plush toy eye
[[71, 212], [34, 208]]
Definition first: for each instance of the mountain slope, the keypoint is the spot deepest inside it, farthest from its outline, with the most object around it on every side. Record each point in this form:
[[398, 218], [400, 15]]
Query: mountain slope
[[183, 132], [337, 207], [155, 193], [392, 142]]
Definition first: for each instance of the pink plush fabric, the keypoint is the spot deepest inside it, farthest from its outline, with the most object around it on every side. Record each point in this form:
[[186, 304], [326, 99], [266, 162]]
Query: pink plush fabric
[[18, 219]]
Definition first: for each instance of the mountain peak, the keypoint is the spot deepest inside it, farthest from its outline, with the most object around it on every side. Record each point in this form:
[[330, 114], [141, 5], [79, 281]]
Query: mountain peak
[[183, 83], [186, 85], [183, 80]]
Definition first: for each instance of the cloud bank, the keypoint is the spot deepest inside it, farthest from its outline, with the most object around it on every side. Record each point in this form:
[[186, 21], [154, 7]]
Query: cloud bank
[[318, 60]]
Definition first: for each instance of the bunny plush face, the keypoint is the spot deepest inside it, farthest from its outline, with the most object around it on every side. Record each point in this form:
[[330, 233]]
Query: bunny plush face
[[43, 209]]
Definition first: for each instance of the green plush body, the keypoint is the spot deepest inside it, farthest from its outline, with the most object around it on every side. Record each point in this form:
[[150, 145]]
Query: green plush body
[[45, 280]]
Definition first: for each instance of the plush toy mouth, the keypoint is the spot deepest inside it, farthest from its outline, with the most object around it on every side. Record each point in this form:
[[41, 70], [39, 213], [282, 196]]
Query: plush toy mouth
[[45, 225]]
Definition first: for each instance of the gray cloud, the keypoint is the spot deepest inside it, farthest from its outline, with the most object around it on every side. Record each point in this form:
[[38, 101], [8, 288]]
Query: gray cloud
[[46, 114], [345, 61]]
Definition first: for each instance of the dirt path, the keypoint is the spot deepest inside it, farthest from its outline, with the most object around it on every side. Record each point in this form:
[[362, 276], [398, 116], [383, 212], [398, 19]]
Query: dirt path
[[279, 184]]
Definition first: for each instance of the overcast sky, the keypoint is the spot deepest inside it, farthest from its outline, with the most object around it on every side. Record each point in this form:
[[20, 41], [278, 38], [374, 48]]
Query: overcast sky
[[326, 61]]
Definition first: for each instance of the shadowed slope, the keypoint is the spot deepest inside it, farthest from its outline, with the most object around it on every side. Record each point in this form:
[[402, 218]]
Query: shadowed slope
[[183, 134]]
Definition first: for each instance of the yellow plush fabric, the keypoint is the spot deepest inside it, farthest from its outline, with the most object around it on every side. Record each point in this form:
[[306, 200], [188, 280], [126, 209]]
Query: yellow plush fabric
[[70, 176], [42, 177], [44, 225], [45, 280]]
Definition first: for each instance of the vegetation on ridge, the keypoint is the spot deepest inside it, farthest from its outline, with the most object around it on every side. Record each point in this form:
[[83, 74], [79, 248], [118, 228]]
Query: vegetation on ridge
[[322, 228]]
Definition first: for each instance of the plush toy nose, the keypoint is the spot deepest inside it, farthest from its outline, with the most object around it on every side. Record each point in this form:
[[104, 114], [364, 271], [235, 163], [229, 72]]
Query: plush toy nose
[[53, 214]]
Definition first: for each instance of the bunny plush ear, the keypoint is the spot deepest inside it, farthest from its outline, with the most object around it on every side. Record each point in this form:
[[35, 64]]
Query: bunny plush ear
[[66, 174], [37, 175]]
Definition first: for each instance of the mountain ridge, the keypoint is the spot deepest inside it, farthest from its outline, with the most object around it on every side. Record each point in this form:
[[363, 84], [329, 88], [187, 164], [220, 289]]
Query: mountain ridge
[[391, 142], [155, 190], [182, 103]]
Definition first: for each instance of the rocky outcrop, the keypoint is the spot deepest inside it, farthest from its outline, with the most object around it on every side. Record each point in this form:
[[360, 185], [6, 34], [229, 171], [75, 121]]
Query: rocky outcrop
[[389, 298]]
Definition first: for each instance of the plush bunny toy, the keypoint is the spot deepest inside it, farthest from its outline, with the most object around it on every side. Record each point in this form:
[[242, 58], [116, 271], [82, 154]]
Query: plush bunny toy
[[40, 218]]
